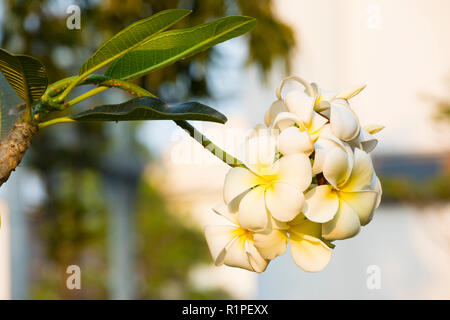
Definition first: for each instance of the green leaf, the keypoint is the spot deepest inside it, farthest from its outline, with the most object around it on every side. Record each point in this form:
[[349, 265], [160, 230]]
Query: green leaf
[[11, 106], [25, 74], [148, 108], [170, 46], [131, 37]]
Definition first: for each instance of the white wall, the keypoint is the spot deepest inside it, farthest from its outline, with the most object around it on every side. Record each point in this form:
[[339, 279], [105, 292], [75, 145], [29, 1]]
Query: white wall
[[5, 272]]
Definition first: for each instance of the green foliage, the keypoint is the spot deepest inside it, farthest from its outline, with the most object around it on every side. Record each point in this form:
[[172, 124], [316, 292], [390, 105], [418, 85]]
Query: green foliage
[[73, 226], [28, 77], [131, 37], [10, 106], [434, 189], [148, 108], [171, 46], [443, 112], [167, 250], [25, 74], [271, 39]]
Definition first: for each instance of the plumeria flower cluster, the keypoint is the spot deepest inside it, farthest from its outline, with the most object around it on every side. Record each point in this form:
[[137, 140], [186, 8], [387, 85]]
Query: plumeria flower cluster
[[307, 180]]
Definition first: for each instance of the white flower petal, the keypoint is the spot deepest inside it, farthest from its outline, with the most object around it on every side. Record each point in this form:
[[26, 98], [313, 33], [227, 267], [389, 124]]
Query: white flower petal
[[276, 224], [271, 245], [218, 238], [344, 122], [321, 204], [287, 119], [373, 128], [364, 141], [327, 133], [321, 148], [284, 201], [316, 89], [258, 153], [324, 112], [362, 172], [317, 122], [336, 167], [311, 256], [323, 95], [375, 185], [258, 263], [345, 224], [226, 212], [322, 107], [236, 255], [277, 107], [252, 211], [233, 206], [237, 181], [300, 104], [350, 93], [301, 226], [295, 170], [292, 140], [362, 202], [369, 145]]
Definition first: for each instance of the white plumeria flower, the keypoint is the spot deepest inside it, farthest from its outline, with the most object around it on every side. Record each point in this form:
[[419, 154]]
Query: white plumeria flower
[[279, 106], [348, 201], [267, 188], [300, 126], [232, 245], [344, 122], [264, 199], [308, 250], [294, 115]]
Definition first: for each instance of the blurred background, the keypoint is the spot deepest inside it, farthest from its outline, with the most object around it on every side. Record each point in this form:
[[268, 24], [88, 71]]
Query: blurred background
[[127, 202]]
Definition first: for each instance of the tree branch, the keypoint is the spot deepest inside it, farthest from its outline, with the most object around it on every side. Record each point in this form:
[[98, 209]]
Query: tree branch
[[14, 145]]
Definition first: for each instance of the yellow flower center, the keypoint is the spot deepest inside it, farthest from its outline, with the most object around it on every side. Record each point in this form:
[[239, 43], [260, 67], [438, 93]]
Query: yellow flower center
[[243, 235]]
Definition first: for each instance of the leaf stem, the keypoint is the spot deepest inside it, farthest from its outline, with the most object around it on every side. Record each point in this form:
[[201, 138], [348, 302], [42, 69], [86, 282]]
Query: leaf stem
[[85, 96], [55, 121], [104, 82], [209, 145]]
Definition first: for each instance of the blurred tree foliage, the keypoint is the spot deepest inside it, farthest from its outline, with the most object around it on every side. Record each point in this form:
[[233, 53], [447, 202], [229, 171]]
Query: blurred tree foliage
[[72, 221], [433, 189], [405, 189], [163, 266], [443, 109]]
